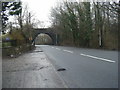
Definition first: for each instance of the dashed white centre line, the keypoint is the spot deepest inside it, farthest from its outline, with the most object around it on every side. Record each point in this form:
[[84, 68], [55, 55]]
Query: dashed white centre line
[[68, 51], [103, 59], [58, 49]]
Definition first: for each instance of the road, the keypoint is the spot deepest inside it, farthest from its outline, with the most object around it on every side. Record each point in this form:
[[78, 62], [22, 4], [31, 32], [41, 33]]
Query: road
[[85, 68]]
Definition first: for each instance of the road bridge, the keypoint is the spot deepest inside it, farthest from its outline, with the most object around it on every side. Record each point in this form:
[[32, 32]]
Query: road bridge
[[47, 31]]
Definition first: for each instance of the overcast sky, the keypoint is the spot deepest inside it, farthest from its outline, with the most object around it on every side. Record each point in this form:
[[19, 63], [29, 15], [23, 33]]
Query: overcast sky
[[41, 9]]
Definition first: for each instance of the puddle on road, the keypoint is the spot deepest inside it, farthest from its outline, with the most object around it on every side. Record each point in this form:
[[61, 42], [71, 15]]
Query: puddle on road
[[45, 79], [61, 69], [38, 51]]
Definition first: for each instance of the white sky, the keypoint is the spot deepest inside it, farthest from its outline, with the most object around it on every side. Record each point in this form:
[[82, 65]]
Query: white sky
[[41, 9]]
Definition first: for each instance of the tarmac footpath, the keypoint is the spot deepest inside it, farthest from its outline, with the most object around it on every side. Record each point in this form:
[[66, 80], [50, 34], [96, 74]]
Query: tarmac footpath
[[30, 70]]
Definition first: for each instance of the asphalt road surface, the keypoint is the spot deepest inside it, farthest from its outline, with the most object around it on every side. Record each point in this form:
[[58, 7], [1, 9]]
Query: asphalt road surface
[[85, 68]]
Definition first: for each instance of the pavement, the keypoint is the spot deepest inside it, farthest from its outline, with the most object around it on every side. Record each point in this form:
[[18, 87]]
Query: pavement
[[84, 68], [31, 70]]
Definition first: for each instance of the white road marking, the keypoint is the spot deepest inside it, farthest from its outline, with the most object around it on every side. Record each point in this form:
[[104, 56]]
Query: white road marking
[[58, 49], [103, 59], [68, 51], [52, 47]]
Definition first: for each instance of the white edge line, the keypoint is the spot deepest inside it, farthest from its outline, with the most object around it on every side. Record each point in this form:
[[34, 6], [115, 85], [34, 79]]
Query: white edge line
[[68, 51], [103, 59]]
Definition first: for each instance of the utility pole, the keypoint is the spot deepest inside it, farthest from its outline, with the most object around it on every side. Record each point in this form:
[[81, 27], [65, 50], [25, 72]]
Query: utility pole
[[29, 21], [29, 18]]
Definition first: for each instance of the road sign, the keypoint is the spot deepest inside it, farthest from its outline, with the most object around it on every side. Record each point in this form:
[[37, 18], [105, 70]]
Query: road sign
[[7, 38]]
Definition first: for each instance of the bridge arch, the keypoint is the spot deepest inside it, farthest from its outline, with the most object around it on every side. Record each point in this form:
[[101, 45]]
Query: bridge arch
[[45, 31]]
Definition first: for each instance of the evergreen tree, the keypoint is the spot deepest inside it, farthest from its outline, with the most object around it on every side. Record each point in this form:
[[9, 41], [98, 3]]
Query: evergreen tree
[[9, 8]]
